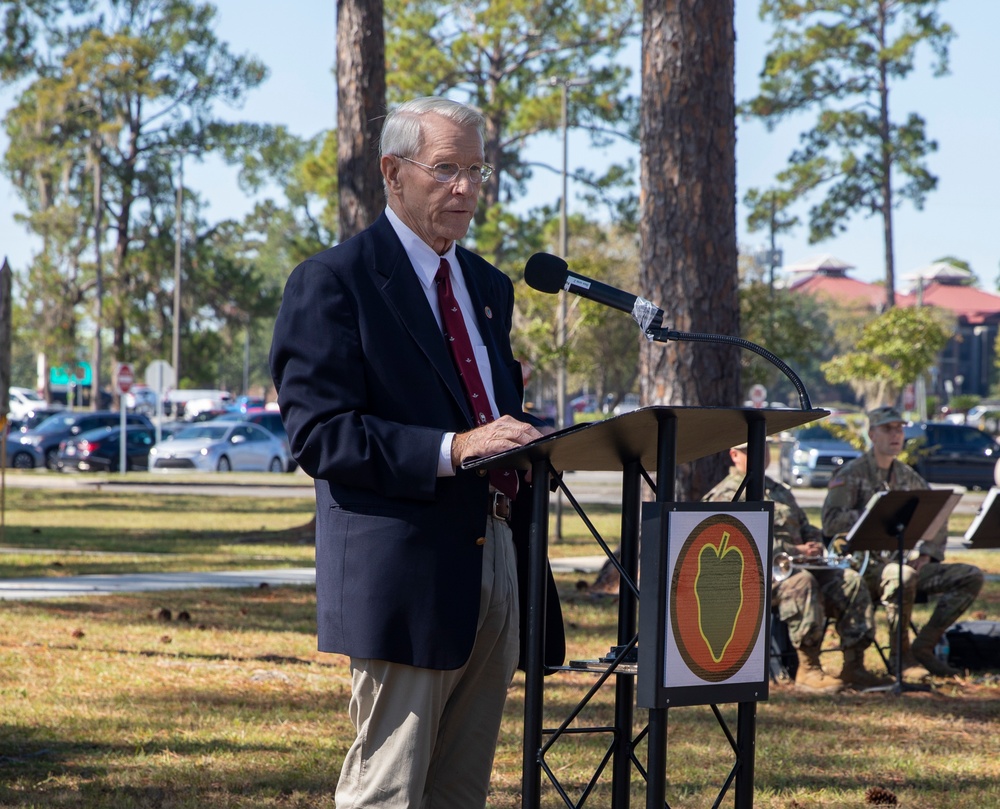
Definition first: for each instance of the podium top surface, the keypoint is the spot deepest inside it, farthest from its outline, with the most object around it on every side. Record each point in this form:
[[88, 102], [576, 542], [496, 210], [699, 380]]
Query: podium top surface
[[606, 446]]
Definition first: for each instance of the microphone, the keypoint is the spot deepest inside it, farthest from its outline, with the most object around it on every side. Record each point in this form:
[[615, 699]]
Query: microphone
[[548, 273]]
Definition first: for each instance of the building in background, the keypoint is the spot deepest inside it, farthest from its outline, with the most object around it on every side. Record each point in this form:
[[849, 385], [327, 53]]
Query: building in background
[[965, 366]]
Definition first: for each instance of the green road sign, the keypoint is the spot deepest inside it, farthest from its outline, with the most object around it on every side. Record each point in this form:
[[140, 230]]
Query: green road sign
[[60, 375]]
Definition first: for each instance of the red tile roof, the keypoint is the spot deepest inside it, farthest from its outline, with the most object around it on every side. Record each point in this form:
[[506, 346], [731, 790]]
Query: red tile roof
[[972, 304], [847, 290]]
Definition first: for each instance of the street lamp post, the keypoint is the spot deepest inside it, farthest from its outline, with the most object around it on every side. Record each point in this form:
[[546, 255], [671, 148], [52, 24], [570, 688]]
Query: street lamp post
[[178, 252], [565, 84], [561, 404]]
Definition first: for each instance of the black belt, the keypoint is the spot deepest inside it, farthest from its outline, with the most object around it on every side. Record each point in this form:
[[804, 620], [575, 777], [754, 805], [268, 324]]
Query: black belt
[[501, 506]]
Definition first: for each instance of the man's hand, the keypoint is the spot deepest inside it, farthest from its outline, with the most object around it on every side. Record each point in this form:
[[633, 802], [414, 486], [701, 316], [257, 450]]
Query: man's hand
[[498, 436], [920, 561], [810, 550]]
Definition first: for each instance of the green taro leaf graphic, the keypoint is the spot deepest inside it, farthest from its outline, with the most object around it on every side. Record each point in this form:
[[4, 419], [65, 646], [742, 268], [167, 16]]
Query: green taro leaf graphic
[[719, 590]]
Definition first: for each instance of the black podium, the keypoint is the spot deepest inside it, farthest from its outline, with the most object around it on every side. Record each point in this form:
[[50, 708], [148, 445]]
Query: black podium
[[649, 440]]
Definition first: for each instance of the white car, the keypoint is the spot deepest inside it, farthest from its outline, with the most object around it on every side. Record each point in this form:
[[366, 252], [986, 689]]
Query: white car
[[629, 402], [220, 447], [24, 401], [142, 399], [977, 417]]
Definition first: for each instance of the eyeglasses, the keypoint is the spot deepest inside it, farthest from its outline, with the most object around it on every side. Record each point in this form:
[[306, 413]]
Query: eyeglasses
[[448, 172]]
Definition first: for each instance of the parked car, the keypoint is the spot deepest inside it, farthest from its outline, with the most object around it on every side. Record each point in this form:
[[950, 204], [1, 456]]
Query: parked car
[[629, 402], [22, 401], [31, 419], [812, 455], [270, 420], [982, 416], [188, 403], [40, 446], [100, 450], [221, 446], [141, 399], [584, 403], [953, 453], [241, 404]]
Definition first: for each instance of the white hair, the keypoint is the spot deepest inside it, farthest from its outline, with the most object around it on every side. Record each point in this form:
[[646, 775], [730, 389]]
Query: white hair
[[402, 132]]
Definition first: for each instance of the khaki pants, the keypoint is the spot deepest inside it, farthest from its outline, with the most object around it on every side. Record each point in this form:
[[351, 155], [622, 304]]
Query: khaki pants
[[426, 738]]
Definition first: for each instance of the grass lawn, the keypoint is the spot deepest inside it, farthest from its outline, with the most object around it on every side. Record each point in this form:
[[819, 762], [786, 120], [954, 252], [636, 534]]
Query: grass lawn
[[225, 702]]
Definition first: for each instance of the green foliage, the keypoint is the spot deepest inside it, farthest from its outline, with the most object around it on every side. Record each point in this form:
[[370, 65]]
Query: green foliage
[[840, 58], [118, 94], [602, 344], [789, 325], [963, 402], [894, 349], [507, 59]]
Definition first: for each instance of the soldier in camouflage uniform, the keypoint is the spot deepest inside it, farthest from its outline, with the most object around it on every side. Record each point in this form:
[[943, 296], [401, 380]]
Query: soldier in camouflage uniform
[[956, 585], [807, 597]]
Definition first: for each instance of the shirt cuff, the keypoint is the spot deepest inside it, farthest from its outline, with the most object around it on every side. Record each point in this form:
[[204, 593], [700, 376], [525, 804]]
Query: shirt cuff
[[445, 469]]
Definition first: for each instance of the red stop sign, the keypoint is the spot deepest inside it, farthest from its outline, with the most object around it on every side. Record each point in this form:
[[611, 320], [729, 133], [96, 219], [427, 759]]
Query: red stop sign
[[125, 377]]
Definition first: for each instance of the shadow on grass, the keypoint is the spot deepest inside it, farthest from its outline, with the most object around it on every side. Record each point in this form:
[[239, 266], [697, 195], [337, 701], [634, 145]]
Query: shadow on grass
[[159, 774]]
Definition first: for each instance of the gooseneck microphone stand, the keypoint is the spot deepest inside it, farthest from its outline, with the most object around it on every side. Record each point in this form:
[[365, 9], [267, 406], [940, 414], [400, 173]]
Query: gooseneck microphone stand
[[662, 335]]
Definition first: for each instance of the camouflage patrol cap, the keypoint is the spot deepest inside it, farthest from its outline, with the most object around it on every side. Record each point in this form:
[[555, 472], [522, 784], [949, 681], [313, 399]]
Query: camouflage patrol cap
[[743, 447], [884, 415]]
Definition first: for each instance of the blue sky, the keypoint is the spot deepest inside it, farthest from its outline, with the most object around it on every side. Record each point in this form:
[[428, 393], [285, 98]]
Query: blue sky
[[961, 218]]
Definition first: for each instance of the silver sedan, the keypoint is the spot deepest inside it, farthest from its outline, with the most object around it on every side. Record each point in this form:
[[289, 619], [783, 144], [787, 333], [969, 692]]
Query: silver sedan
[[220, 447]]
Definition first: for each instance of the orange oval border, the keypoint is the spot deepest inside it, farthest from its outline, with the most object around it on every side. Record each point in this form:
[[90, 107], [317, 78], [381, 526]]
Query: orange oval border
[[684, 618]]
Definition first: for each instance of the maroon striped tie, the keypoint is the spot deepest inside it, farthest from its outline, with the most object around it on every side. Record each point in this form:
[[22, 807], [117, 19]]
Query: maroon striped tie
[[460, 346]]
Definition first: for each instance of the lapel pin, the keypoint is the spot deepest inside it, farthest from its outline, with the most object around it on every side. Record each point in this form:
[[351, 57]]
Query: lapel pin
[[489, 313]]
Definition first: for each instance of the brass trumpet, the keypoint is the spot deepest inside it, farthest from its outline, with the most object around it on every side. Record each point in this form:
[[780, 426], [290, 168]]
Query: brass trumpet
[[784, 564]]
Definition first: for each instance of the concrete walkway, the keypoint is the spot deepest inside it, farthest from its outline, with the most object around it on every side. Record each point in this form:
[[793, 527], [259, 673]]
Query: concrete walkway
[[588, 487], [101, 585]]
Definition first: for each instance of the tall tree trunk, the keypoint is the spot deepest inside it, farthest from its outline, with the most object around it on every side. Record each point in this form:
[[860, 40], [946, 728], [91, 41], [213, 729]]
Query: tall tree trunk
[[886, 168], [360, 111], [97, 357], [688, 209]]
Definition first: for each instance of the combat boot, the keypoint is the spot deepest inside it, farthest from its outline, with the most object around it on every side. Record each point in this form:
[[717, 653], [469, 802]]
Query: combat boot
[[810, 675], [923, 651], [913, 672], [854, 673]]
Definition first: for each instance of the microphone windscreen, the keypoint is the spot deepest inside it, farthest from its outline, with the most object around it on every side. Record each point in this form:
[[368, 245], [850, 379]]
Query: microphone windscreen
[[546, 272]]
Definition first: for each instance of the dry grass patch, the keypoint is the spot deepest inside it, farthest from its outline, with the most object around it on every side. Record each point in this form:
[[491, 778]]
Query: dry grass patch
[[106, 703]]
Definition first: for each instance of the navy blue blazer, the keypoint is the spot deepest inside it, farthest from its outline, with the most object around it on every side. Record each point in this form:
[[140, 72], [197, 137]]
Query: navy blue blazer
[[367, 389]]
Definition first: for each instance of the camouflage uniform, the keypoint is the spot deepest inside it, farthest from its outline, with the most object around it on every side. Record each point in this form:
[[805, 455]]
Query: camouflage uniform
[[807, 597], [956, 585]]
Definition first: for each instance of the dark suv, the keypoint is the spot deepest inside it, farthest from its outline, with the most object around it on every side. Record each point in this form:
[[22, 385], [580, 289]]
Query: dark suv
[[953, 453], [812, 456], [41, 445]]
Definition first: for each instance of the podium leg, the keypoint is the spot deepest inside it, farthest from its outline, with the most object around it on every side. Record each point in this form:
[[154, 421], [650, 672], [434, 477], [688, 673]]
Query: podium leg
[[628, 607], [534, 675]]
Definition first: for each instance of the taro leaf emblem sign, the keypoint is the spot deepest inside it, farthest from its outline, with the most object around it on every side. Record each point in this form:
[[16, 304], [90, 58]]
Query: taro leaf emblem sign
[[717, 598]]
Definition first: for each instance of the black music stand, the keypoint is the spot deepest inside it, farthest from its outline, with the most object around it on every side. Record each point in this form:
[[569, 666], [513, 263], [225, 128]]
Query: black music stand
[[985, 529], [896, 521], [651, 438]]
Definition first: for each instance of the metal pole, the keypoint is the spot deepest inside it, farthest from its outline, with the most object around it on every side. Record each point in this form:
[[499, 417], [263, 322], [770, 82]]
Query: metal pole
[[246, 360], [746, 712], [178, 252], [561, 332]]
